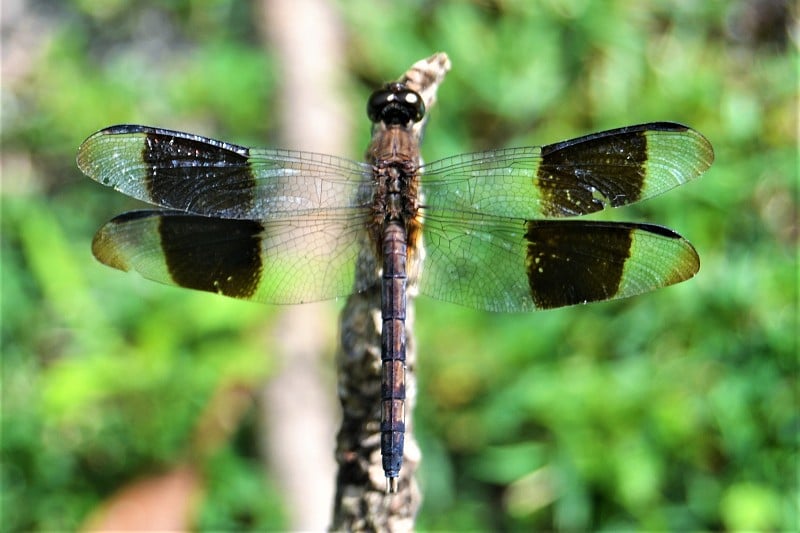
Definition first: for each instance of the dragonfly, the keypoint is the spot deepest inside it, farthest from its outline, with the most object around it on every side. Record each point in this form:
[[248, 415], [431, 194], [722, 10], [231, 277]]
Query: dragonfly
[[490, 230]]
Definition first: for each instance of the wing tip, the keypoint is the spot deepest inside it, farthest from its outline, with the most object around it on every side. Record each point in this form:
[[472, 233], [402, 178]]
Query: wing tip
[[705, 149], [84, 156], [105, 251], [105, 243], [692, 258]]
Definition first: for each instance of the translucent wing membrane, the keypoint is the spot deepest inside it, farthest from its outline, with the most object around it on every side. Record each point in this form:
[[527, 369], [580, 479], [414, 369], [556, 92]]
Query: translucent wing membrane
[[203, 176], [306, 258], [517, 265], [570, 178]]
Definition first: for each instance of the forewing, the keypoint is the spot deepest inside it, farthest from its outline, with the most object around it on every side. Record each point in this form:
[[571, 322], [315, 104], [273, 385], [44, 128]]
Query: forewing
[[570, 178], [203, 176]]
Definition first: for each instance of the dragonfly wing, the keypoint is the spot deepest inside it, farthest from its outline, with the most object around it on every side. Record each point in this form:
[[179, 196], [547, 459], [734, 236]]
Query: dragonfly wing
[[518, 265], [204, 176], [288, 261], [570, 178]]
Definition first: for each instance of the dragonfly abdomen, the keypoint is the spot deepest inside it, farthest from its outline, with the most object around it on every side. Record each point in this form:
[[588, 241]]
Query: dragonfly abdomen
[[393, 353]]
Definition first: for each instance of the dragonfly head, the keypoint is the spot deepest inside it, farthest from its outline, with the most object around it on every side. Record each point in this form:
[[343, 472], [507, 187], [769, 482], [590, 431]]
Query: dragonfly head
[[395, 104]]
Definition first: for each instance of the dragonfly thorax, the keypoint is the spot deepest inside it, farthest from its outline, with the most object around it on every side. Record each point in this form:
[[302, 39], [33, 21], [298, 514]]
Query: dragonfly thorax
[[395, 193]]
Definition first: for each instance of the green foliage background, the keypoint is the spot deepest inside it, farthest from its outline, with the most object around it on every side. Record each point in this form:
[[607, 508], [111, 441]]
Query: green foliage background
[[675, 410]]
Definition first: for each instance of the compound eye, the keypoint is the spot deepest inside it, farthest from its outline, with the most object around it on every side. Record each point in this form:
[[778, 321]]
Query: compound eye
[[395, 104]]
